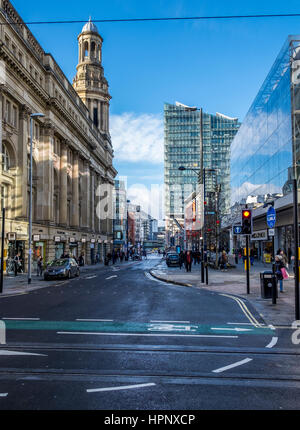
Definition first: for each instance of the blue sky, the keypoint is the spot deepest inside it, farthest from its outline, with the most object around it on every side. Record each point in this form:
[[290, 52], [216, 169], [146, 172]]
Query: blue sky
[[217, 64]]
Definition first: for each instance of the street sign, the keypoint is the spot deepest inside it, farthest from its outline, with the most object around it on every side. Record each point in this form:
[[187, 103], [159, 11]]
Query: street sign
[[237, 229], [271, 217], [271, 232]]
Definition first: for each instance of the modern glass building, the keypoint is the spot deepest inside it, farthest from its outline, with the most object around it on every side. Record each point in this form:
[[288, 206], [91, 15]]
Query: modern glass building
[[195, 140], [265, 152]]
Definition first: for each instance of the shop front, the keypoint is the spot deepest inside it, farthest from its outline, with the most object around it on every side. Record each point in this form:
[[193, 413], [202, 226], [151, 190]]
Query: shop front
[[15, 247], [92, 251], [59, 247], [39, 250], [73, 246], [262, 246]]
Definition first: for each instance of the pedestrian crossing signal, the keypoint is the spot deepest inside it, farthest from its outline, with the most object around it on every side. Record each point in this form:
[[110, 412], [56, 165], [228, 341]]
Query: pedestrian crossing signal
[[246, 221]]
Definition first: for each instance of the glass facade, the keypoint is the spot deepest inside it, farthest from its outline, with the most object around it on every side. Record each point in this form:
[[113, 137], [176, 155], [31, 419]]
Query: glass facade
[[263, 150], [193, 137]]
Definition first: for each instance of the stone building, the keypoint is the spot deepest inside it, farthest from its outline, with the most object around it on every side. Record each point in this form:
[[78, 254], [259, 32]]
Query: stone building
[[72, 150]]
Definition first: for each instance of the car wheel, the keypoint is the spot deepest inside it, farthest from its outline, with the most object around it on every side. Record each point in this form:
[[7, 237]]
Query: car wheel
[[69, 274], [77, 273]]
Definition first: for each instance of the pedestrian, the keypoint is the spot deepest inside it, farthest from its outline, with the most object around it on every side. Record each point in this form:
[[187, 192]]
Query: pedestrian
[[188, 261], [17, 263], [278, 271], [81, 259], [284, 259], [251, 256], [223, 261], [40, 266], [181, 259], [236, 256]]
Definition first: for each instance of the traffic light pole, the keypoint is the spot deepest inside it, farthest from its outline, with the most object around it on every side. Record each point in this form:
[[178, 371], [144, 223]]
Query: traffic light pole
[[247, 264]]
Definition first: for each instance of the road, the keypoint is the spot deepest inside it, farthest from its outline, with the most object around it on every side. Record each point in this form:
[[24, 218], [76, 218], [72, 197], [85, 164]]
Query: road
[[118, 339]]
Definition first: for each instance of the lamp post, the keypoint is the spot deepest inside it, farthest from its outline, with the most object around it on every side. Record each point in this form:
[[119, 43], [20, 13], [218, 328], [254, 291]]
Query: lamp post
[[127, 230], [32, 117]]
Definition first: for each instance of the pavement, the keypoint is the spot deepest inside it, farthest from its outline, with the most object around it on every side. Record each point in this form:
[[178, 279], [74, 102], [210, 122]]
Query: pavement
[[15, 285], [233, 281]]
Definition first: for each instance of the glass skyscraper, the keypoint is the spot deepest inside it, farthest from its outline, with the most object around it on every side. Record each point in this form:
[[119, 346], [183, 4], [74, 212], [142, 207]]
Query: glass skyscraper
[[195, 140]]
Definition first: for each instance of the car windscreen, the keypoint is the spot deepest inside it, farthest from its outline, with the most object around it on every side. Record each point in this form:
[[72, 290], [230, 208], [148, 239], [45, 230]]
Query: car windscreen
[[58, 263]]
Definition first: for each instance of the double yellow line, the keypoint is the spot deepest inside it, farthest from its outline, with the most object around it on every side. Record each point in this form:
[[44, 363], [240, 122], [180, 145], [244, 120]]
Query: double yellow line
[[246, 311]]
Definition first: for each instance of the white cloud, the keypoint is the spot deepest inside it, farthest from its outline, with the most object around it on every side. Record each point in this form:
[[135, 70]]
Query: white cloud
[[151, 199], [248, 189], [137, 138]]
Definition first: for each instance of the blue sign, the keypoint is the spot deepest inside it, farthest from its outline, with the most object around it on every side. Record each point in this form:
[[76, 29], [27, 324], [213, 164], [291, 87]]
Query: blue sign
[[271, 217], [237, 229]]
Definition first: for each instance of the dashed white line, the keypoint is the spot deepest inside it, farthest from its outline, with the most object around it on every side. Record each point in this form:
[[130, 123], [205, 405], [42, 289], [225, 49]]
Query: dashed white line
[[273, 342], [6, 352], [3, 394], [22, 319], [124, 387], [93, 319], [159, 321], [144, 334], [230, 366], [110, 277]]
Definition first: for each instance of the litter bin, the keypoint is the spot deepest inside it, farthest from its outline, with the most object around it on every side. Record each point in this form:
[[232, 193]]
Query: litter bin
[[267, 280]]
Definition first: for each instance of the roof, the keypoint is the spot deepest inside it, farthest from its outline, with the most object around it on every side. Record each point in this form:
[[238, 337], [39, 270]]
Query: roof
[[90, 26]]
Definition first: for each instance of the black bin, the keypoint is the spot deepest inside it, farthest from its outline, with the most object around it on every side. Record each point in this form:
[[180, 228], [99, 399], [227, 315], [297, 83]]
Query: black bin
[[267, 280]]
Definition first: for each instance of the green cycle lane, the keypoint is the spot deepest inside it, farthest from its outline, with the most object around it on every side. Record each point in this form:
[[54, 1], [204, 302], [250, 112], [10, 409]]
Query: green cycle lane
[[137, 327]]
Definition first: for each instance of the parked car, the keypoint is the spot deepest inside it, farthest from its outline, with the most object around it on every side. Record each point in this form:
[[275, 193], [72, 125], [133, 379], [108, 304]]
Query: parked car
[[172, 259], [62, 268]]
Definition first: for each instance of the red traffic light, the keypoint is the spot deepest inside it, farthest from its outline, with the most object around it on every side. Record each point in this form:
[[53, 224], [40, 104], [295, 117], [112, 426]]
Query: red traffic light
[[218, 222], [246, 214]]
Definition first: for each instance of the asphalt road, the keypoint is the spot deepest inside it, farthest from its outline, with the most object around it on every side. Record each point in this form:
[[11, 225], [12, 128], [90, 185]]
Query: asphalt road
[[118, 339]]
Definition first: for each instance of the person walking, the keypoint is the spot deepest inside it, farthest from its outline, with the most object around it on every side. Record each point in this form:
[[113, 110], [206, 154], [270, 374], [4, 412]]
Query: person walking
[[278, 272], [251, 256], [188, 261], [40, 266], [17, 263], [284, 259], [223, 261], [181, 259]]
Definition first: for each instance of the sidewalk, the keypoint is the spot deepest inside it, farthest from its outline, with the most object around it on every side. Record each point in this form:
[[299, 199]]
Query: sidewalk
[[15, 285], [233, 281]]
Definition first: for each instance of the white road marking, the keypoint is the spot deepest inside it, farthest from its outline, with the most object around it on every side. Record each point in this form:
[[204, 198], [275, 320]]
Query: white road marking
[[145, 334], [6, 352], [93, 319], [238, 323], [3, 394], [230, 366], [22, 319], [154, 279], [91, 277], [271, 327], [235, 328], [273, 342], [110, 277], [159, 321], [125, 387]]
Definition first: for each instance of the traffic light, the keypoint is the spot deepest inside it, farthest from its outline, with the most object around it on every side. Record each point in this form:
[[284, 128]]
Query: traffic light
[[246, 221]]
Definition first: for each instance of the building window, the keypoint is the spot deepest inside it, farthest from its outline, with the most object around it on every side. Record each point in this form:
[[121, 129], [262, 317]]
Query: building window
[[7, 111], [15, 117], [5, 159]]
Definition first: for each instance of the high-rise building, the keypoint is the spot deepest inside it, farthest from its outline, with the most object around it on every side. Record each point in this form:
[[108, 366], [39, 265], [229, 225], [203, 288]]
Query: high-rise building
[[195, 140]]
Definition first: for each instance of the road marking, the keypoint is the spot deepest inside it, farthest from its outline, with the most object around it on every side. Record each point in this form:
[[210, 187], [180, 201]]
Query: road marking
[[110, 277], [22, 319], [271, 327], [146, 334], [125, 387], [230, 366], [235, 328], [171, 327], [91, 277], [93, 319], [147, 274], [6, 352], [159, 321], [238, 323], [273, 342], [3, 394], [245, 310]]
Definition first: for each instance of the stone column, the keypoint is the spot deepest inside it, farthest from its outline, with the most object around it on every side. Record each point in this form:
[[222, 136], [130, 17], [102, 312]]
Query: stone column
[[75, 190], [97, 204], [92, 202], [22, 173], [45, 180], [63, 183], [85, 203]]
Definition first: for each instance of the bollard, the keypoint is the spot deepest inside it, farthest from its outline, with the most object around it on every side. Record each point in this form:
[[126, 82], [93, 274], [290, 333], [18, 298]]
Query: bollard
[[206, 272], [274, 286]]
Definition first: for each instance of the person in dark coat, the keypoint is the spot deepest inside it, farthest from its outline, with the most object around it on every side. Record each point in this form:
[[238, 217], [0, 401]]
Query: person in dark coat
[[181, 259]]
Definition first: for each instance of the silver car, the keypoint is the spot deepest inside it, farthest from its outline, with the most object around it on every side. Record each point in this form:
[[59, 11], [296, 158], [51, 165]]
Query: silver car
[[61, 268]]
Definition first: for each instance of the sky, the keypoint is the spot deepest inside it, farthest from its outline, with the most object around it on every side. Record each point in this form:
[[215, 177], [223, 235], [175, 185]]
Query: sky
[[218, 65]]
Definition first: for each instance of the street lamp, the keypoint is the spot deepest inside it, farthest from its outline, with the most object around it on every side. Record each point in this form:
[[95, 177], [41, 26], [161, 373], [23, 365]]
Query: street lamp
[[32, 117], [127, 229]]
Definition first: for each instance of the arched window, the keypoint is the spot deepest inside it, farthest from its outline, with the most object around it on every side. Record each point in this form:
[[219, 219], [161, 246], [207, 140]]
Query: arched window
[[86, 49], [93, 50], [5, 158]]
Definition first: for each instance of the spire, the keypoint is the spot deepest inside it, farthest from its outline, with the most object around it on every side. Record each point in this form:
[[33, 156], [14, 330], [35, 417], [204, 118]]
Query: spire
[[90, 26]]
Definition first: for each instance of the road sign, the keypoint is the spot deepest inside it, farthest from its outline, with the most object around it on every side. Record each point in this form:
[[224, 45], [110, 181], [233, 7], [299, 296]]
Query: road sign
[[271, 217], [271, 232], [237, 229]]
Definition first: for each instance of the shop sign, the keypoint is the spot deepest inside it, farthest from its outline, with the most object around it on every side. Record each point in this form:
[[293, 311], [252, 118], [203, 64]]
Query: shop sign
[[56, 238], [36, 237], [259, 235], [100, 241], [92, 245], [83, 240], [93, 240], [271, 232], [72, 239], [11, 236]]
